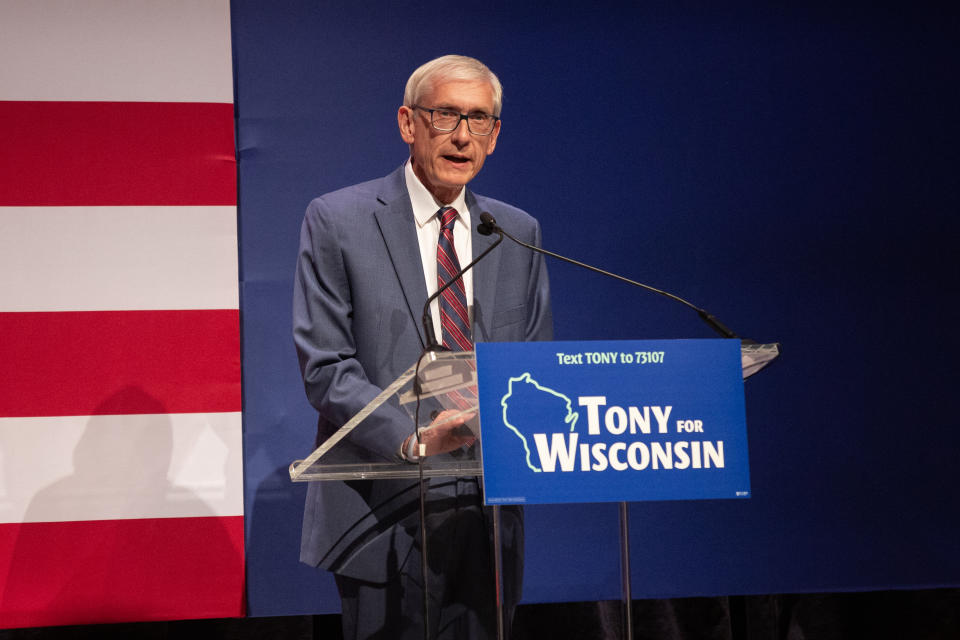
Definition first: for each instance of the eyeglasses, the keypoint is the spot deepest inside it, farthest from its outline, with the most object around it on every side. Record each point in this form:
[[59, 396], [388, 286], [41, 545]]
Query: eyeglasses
[[479, 124]]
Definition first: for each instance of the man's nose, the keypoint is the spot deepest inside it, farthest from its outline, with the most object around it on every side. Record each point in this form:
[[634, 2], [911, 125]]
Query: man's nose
[[462, 132]]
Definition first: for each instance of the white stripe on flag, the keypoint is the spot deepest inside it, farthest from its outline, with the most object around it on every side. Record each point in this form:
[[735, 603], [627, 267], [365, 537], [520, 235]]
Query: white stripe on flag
[[104, 50], [118, 258], [120, 467]]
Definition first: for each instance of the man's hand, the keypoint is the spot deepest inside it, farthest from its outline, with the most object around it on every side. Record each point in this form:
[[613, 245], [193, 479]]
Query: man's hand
[[446, 433]]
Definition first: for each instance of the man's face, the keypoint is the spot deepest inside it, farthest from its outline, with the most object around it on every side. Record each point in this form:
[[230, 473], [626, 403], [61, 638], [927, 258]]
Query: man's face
[[446, 160]]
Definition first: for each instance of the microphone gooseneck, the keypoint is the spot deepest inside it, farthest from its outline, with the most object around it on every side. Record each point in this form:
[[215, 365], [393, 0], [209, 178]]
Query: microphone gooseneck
[[490, 226], [483, 229]]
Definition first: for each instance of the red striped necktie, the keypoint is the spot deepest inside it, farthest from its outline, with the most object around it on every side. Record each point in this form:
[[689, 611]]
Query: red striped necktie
[[454, 320]]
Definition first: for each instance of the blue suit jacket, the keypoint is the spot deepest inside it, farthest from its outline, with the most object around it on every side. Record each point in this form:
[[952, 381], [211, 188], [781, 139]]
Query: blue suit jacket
[[358, 299]]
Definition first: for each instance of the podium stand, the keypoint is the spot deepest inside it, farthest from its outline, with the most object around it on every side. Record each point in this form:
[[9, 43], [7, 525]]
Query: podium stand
[[448, 381]]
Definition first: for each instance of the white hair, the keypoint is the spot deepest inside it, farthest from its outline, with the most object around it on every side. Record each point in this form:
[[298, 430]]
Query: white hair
[[451, 67]]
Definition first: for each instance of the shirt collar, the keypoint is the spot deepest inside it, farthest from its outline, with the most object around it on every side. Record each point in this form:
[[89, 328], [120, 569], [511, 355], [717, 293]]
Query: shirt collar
[[425, 206]]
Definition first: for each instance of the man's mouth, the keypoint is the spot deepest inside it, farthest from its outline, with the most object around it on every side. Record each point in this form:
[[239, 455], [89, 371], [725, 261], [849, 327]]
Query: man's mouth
[[457, 159]]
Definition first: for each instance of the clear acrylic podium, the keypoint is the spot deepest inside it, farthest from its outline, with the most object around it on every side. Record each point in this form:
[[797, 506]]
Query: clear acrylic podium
[[448, 381]]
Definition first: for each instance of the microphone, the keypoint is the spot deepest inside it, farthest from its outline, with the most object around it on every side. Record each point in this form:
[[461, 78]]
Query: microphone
[[490, 225], [484, 229], [487, 224]]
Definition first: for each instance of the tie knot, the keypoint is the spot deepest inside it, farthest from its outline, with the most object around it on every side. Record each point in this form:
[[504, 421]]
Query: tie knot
[[448, 216]]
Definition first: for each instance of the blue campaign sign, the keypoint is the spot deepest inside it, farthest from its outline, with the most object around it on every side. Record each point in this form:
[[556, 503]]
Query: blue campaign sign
[[612, 421]]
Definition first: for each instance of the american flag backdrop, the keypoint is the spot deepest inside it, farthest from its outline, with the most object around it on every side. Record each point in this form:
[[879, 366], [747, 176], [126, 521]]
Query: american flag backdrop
[[120, 424]]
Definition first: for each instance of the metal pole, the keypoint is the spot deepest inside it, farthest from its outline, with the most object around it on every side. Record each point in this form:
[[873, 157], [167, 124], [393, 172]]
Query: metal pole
[[424, 567], [498, 570], [625, 571]]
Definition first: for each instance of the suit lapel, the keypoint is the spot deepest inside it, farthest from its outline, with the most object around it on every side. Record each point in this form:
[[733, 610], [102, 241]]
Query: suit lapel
[[397, 227], [395, 219], [484, 274]]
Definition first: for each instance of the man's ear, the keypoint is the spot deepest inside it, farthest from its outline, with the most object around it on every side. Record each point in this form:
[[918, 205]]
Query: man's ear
[[405, 117], [492, 138]]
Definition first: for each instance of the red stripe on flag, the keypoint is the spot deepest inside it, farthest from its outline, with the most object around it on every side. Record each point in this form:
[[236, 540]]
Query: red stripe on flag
[[57, 573], [119, 362], [117, 153]]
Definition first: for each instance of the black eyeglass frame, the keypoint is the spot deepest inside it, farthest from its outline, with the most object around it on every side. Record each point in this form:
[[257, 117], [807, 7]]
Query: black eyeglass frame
[[463, 116]]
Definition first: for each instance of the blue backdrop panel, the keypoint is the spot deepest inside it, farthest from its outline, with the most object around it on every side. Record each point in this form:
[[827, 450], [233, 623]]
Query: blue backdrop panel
[[792, 169]]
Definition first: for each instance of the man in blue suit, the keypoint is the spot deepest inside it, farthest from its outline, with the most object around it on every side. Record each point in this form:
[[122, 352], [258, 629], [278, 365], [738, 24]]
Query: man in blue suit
[[368, 261]]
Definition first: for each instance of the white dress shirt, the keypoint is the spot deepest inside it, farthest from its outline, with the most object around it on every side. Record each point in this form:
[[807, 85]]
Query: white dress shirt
[[425, 209]]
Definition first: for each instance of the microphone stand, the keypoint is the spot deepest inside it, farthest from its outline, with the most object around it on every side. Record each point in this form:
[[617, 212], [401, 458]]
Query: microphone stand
[[427, 319], [429, 352], [488, 225]]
